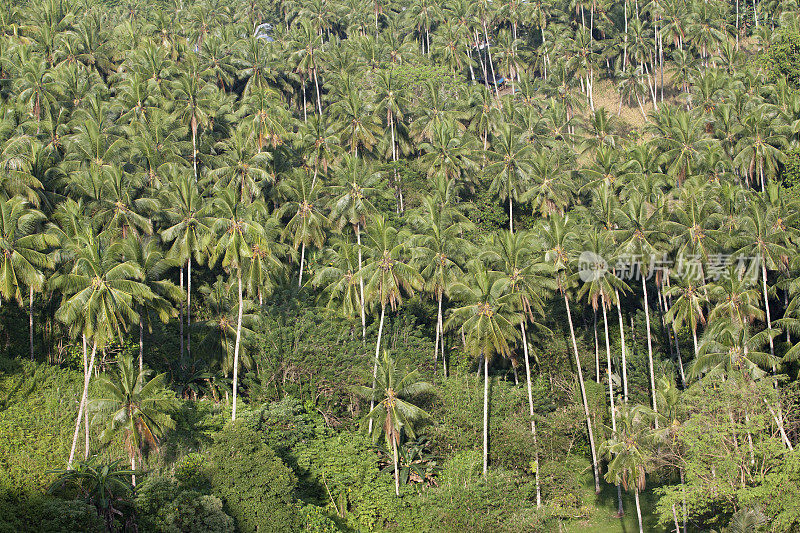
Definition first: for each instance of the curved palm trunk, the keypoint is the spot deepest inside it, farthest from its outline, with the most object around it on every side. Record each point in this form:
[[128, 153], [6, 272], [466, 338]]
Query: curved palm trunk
[[238, 341], [583, 397], [485, 414], [82, 407], [377, 355], [532, 413], [30, 322], [649, 348]]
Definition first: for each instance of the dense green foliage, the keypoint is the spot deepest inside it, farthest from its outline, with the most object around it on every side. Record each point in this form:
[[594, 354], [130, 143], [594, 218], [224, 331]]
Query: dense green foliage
[[399, 265]]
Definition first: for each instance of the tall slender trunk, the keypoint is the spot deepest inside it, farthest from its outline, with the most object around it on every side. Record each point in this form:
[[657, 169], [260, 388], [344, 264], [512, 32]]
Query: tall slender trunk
[[238, 342], [624, 350], [85, 418], [82, 407], [30, 322], [441, 340], [596, 347], [766, 306], [491, 63], [532, 413], [141, 342], [485, 414], [305, 103], [638, 506], [649, 347], [510, 214], [438, 332], [396, 471], [189, 307], [583, 397], [194, 147], [302, 264], [319, 100], [361, 287], [180, 321], [377, 355], [133, 467], [620, 509]]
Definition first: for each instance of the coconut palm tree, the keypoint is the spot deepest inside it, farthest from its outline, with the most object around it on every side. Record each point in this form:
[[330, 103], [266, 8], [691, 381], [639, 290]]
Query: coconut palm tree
[[766, 235], [147, 254], [302, 202], [558, 238], [187, 225], [24, 246], [237, 230], [640, 233], [193, 103], [529, 280], [440, 253], [629, 452], [137, 406], [388, 273], [509, 167], [394, 416], [352, 204], [99, 299], [488, 319]]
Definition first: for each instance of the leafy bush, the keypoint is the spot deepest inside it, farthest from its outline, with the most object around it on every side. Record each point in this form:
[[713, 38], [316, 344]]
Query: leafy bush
[[782, 58], [257, 487]]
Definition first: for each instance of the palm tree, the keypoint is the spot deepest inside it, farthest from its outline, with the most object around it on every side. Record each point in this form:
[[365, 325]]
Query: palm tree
[[307, 225], [558, 237], [351, 203], [100, 295], [509, 168], [102, 484], [629, 452], [24, 252], [193, 102], [687, 308], [187, 225], [728, 349], [337, 276], [766, 235], [529, 281], [488, 320], [439, 255], [237, 231], [392, 392], [146, 253], [138, 406], [640, 233], [219, 341], [387, 274]]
